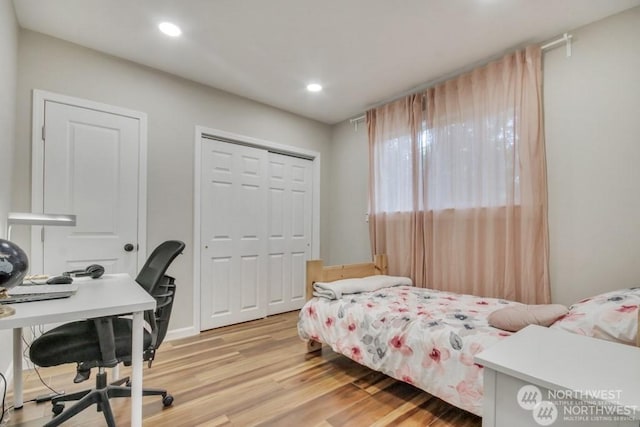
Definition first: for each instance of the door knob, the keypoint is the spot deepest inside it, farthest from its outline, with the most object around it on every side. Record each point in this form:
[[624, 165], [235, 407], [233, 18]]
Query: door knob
[[128, 247]]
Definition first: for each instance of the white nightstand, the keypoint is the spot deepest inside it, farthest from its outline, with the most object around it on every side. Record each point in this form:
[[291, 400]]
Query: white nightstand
[[579, 380]]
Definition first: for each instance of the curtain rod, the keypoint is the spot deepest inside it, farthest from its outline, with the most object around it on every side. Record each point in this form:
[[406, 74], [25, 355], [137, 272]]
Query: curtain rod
[[357, 120], [566, 38]]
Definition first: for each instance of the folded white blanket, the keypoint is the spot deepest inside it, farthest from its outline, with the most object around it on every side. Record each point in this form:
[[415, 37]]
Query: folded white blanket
[[335, 290]]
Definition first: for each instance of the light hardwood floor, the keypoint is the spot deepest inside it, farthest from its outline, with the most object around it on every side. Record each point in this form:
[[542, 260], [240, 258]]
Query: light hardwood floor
[[256, 374]]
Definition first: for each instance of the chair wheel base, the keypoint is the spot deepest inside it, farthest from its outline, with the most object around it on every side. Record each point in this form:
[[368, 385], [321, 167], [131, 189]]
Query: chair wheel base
[[167, 401], [57, 408]]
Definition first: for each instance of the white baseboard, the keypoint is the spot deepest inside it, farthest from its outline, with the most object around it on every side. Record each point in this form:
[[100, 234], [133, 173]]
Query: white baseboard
[[175, 334]]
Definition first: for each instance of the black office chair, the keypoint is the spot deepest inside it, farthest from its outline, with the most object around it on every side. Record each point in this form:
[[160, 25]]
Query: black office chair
[[106, 341]]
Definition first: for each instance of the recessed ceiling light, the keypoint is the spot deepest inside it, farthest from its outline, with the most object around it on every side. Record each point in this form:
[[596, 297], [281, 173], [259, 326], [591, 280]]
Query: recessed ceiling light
[[170, 29], [314, 87]]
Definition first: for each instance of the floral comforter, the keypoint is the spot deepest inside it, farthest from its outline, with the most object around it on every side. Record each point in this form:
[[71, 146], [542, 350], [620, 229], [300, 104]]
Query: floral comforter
[[421, 336]]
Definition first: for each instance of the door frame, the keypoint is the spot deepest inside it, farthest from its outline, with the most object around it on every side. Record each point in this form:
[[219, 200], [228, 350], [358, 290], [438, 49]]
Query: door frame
[[37, 166], [234, 138]]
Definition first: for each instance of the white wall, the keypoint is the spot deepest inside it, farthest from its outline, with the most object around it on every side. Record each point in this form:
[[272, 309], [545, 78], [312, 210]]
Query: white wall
[[174, 107], [8, 73], [349, 233], [8, 76], [592, 118]]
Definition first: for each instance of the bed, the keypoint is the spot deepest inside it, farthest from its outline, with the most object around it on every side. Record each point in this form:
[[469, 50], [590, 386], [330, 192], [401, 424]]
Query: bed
[[421, 336]]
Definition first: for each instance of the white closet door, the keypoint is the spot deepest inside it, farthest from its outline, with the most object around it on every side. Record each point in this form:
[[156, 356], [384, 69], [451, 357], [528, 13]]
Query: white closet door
[[233, 233], [290, 203]]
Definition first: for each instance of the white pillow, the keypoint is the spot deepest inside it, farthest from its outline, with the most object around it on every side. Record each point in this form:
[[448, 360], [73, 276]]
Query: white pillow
[[335, 290], [612, 316]]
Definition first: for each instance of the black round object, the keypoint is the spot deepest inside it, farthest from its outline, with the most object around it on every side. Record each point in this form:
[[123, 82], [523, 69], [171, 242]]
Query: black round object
[[13, 264], [167, 400], [95, 271], [57, 408]]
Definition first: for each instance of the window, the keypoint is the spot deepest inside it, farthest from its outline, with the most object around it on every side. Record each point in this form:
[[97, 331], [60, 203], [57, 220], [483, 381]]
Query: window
[[462, 166]]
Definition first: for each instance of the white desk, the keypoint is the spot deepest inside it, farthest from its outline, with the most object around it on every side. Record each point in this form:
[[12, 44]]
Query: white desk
[[583, 377], [110, 295]]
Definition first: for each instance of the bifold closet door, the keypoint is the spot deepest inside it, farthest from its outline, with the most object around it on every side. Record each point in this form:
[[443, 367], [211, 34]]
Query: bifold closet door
[[233, 233], [256, 222], [290, 203]]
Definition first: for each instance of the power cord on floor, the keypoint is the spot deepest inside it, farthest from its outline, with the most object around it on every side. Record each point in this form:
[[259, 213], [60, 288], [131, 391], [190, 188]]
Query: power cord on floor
[[4, 396], [4, 411], [55, 392], [35, 368]]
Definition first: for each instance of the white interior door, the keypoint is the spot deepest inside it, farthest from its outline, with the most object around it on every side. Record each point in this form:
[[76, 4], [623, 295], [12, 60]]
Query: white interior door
[[233, 233], [290, 202], [91, 169]]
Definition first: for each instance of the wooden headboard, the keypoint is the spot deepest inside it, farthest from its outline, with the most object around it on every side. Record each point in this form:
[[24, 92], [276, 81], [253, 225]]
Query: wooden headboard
[[317, 272]]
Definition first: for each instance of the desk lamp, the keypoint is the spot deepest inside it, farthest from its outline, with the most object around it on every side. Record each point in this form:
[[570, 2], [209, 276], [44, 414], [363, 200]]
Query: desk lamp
[[14, 260], [24, 218]]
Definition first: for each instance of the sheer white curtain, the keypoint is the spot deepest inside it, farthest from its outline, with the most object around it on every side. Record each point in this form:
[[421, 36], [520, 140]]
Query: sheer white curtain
[[458, 183]]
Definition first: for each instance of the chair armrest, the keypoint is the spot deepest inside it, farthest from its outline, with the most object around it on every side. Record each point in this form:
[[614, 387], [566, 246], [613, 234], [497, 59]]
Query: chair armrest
[[107, 341], [151, 320], [162, 300]]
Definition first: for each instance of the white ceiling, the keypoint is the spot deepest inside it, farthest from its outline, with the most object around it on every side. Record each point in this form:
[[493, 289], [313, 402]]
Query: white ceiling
[[362, 51]]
